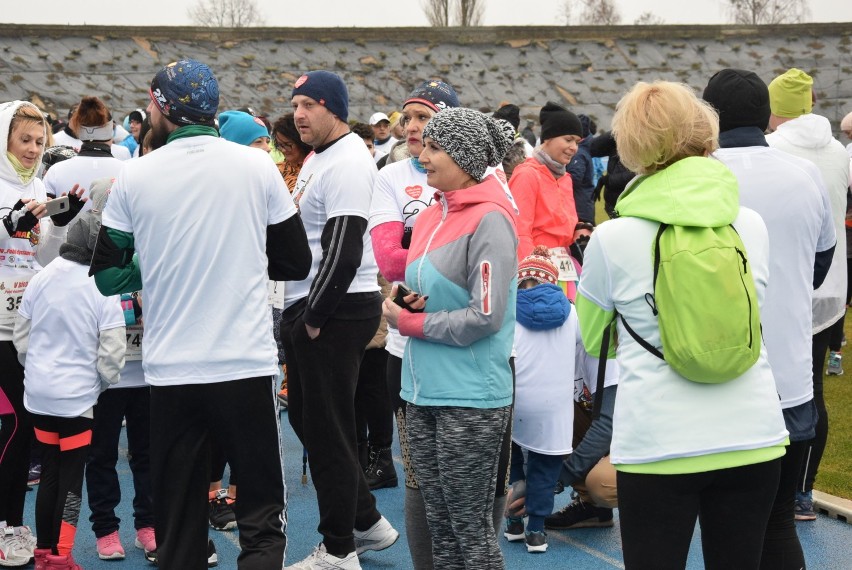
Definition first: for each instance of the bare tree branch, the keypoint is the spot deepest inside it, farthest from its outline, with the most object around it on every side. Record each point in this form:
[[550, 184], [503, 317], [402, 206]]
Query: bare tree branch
[[469, 12], [756, 12], [648, 19], [437, 12], [226, 13], [591, 13]]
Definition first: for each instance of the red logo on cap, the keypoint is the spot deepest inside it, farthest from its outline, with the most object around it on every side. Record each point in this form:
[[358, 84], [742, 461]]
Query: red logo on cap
[[301, 81], [414, 191]]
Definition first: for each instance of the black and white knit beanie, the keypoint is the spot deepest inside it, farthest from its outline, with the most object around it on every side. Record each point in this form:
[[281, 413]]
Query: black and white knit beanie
[[473, 140]]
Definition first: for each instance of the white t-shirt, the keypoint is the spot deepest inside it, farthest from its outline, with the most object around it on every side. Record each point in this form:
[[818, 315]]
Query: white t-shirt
[[789, 195], [399, 195], [336, 182], [64, 139], [132, 375], [80, 170], [545, 365], [67, 314], [198, 209], [658, 414], [385, 146], [549, 376]]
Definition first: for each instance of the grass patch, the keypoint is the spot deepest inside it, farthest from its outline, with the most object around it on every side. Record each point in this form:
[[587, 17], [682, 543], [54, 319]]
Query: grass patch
[[835, 470]]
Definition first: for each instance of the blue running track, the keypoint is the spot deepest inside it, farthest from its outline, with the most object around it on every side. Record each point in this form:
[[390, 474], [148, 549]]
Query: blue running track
[[827, 542]]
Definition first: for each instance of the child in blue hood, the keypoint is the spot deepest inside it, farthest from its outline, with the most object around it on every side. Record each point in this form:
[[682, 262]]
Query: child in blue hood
[[546, 340]]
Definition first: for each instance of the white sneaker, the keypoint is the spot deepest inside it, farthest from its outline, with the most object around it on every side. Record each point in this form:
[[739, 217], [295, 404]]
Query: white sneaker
[[378, 537], [14, 550], [27, 536], [319, 559]]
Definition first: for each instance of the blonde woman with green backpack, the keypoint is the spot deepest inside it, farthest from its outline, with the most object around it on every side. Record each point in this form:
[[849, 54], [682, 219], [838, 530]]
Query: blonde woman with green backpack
[[697, 429]]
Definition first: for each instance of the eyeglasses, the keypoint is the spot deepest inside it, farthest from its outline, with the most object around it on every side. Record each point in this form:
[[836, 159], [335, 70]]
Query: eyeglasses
[[284, 145]]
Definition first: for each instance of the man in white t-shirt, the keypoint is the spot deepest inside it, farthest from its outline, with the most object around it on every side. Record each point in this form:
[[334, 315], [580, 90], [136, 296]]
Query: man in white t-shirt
[[790, 196], [382, 137], [329, 318], [800, 132], [210, 222]]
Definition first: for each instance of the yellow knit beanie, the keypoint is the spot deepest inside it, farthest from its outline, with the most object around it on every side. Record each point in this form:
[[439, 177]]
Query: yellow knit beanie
[[790, 94]]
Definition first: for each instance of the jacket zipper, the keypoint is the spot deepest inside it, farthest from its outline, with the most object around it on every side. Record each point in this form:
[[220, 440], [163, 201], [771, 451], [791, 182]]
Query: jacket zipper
[[745, 289], [420, 285]]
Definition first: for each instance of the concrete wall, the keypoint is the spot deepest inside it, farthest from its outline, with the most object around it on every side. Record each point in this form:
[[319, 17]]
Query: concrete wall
[[585, 68]]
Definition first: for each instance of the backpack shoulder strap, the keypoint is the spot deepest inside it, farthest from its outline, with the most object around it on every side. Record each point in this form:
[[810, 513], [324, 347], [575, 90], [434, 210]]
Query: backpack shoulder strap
[[642, 342], [599, 390]]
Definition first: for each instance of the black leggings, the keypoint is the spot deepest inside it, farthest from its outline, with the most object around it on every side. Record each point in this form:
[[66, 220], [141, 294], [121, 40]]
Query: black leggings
[[373, 411], [658, 514], [16, 435], [65, 447], [816, 446], [781, 547]]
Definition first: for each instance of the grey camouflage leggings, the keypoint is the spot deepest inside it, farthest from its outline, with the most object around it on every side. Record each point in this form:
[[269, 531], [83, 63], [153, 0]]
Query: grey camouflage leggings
[[455, 453]]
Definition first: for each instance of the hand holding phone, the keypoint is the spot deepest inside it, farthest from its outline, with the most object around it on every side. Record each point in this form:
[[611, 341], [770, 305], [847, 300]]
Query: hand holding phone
[[402, 291], [56, 206]]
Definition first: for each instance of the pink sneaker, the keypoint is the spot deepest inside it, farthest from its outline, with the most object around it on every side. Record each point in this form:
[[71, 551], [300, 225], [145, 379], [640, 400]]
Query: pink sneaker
[[146, 540], [109, 547]]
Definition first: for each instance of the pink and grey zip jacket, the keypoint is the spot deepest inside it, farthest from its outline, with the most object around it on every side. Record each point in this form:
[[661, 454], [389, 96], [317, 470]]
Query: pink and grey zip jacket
[[463, 256]]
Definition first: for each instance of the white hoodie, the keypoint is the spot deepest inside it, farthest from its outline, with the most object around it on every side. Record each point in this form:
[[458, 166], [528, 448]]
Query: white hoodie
[[21, 256], [809, 137]]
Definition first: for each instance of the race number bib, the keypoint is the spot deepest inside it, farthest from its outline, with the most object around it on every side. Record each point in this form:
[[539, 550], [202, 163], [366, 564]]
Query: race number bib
[[567, 272], [134, 343], [11, 293], [275, 294]]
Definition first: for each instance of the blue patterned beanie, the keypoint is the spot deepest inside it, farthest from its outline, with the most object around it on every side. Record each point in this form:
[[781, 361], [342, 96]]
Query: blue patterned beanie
[[186, 92]]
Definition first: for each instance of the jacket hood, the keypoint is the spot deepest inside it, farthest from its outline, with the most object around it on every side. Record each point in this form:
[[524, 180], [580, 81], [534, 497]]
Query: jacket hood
[[543, 307], [695, 191], [488, 191], [7, 111], [399, 151], [809, 131]]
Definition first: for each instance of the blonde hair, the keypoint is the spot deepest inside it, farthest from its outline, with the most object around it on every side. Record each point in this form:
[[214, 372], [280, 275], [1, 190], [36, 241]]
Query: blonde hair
[[30, 114], [657, 124]]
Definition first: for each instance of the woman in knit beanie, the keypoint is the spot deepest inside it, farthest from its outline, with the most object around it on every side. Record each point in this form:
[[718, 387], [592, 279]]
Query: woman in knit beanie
[[545, 194], [400, 194], [455, 370]]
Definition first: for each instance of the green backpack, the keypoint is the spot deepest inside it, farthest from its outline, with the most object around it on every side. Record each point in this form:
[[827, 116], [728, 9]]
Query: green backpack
[[705, 302]]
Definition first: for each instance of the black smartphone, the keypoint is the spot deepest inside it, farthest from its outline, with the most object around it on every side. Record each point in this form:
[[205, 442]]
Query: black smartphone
[[402, 291]]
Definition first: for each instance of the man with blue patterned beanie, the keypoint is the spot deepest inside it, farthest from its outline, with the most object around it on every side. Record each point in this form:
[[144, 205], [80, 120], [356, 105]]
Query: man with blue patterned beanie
[[175, 226]]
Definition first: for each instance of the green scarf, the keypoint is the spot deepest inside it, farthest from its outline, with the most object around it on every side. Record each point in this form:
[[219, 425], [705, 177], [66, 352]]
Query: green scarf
[[192, 131], [25, 174]]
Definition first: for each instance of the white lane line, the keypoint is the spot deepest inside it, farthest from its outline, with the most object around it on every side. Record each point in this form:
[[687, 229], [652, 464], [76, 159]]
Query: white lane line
[[614, 562]]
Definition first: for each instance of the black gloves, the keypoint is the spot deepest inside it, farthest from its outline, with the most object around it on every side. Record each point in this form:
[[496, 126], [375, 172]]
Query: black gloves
[[75, 204], [18, 221]]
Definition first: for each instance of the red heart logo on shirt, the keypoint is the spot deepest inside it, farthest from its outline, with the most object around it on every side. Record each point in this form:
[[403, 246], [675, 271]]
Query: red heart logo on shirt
[[414, 191]]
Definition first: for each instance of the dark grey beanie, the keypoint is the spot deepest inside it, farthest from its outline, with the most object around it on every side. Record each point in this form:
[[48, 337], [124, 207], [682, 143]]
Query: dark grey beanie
[[473, 140]]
